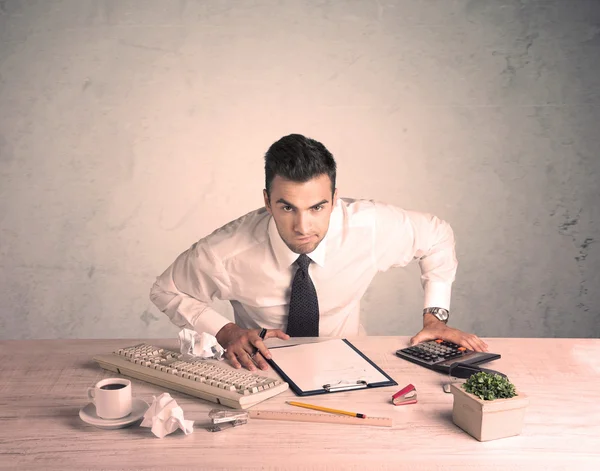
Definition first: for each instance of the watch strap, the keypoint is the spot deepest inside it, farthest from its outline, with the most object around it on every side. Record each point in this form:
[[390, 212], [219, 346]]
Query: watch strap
[[442, 314]]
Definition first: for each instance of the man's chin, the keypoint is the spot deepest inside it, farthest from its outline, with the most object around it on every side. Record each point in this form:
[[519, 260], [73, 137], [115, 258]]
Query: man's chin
[[303, 248]]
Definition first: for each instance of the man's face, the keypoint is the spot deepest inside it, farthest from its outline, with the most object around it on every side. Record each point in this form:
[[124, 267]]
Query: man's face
[[301, 211]]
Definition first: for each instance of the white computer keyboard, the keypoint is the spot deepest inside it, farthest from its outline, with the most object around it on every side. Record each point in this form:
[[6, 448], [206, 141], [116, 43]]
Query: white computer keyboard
[[206, 379]]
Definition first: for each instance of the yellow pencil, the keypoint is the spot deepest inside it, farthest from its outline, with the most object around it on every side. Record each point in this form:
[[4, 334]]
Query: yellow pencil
[[326, 409]]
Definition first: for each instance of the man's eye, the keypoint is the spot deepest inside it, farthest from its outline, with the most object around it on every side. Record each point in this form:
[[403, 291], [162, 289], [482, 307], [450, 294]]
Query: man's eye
[[318, 208], [287, 209]]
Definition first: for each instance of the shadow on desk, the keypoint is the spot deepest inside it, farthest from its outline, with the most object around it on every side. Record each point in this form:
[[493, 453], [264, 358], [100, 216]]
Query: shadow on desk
[[446, 416], [89, 365]]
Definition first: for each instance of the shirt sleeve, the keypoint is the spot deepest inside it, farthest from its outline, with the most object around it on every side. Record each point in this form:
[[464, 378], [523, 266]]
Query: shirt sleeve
[[402, 236], [185, 290]]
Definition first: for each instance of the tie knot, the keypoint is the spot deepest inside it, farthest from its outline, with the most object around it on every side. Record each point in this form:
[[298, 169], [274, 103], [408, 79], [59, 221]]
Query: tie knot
[[303, 262]]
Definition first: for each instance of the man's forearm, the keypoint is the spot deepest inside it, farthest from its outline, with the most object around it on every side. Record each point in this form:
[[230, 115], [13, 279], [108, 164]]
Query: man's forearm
[[185, 311], [436, 252]]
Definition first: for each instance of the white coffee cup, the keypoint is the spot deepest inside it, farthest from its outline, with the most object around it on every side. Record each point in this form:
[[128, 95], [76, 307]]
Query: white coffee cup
[[112, 397]]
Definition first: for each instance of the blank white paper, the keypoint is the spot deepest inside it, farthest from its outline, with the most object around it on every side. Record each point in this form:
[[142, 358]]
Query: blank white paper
[[333, 362]]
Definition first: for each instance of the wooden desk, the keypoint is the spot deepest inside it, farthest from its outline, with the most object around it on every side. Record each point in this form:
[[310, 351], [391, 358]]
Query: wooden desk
[[43, 385]]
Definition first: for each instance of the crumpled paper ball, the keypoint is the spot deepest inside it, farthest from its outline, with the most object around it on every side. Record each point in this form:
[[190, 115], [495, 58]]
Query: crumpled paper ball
[[164, 416], [195, 345]]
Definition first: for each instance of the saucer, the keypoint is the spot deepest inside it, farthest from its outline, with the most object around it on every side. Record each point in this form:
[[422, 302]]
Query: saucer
[[138, 409]]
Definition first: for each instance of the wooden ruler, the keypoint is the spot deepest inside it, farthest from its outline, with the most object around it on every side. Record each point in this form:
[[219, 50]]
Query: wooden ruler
[[321, 418]]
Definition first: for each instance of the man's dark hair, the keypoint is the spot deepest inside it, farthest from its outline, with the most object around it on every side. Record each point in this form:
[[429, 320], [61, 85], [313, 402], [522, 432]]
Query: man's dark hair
[[299, 159]]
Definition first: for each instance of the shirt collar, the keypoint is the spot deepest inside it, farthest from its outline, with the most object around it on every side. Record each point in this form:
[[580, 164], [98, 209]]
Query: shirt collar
[[285, 257]]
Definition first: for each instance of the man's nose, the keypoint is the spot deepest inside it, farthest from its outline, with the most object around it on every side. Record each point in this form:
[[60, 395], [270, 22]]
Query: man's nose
[[302, 223]]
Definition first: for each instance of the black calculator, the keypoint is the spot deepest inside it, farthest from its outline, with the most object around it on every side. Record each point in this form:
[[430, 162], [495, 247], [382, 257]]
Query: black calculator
[[438, 355]]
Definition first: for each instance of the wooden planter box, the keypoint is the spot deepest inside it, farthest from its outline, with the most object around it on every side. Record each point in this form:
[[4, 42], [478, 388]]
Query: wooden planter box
[[488, 420]]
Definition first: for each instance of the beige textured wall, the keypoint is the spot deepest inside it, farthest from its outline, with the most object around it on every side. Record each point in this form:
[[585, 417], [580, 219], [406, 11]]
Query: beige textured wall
[[129, 129]]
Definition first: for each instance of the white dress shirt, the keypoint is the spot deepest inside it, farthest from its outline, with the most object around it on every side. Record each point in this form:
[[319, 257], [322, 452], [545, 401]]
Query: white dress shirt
[[247, 263]]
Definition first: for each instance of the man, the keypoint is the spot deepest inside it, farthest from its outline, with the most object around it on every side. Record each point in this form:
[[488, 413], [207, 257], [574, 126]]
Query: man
[[301, 264]]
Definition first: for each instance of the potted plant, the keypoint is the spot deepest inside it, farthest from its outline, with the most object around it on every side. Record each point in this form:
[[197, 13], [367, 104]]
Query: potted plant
[[487, 406]]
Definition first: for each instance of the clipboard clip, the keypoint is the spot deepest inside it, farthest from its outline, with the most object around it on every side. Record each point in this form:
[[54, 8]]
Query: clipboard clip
[[345, 386]]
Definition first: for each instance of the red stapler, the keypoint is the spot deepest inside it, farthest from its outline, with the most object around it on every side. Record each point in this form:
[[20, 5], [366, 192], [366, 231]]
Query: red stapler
[[407, 395]]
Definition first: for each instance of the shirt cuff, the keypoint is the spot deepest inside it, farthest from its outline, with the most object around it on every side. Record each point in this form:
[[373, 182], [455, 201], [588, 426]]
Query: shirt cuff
[[437, 294], [210, 321]]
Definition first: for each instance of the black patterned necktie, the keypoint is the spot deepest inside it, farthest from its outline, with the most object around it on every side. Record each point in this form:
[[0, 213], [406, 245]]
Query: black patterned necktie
[[303, 318]]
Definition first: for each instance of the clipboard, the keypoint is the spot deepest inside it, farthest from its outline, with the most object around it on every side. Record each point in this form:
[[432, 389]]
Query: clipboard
[[327, 367]]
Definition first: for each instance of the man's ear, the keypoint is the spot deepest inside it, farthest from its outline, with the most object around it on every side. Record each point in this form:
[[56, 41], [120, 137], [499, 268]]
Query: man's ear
[[267, 202], [335, 197]]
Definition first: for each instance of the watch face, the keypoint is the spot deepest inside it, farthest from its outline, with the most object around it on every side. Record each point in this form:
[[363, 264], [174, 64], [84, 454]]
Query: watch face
[[439, 312]]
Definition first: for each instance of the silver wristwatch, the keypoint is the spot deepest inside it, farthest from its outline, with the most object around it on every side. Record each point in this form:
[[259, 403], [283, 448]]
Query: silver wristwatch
[[439, 312]]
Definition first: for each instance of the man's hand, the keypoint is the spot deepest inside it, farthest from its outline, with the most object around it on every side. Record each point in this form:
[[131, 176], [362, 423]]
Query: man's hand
[[434, 329], [245, 347]]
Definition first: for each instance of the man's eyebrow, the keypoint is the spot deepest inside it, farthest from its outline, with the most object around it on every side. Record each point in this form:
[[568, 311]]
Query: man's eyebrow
[[320, 203], [287, 203]]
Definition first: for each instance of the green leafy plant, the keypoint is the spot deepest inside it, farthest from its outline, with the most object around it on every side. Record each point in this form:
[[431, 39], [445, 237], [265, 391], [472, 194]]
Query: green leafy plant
[[489, 386]]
